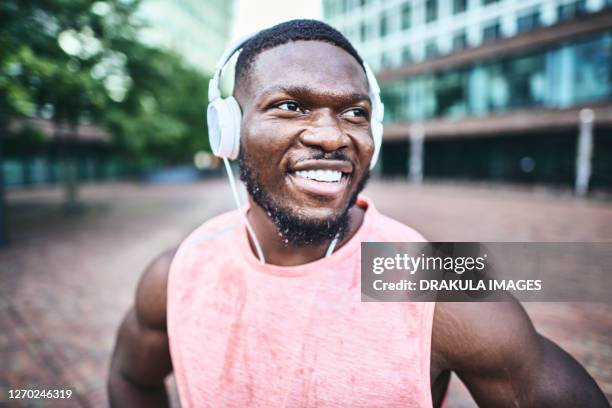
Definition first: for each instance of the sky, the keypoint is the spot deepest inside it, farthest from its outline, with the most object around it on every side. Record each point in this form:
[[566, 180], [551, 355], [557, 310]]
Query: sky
[[254, 15]]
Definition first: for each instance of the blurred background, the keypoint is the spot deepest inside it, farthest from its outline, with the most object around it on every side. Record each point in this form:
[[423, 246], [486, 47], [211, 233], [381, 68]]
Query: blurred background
[[498, 127]]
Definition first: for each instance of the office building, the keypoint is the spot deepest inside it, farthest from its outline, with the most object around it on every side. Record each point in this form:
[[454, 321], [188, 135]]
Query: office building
[[198, 30], [494, 87]]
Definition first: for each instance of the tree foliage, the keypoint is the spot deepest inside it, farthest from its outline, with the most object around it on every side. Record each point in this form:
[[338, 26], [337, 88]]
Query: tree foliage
[[75, 61], [162, 115], [48, 50]]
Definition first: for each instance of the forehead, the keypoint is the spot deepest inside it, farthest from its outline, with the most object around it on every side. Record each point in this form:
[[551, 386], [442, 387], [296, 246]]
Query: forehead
[[313, 64]]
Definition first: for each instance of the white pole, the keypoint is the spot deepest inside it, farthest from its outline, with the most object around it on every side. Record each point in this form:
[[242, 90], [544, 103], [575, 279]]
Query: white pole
[[417, 152], [584, 152]]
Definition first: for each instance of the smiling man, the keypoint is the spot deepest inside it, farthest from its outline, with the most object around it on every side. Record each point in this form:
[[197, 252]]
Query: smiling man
[[292, 331]]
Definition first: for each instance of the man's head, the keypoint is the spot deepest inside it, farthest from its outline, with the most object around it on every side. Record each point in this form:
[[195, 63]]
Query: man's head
[[306, 140]]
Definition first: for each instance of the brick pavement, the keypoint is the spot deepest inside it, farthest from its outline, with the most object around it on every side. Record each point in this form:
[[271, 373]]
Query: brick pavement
[[66, 282]]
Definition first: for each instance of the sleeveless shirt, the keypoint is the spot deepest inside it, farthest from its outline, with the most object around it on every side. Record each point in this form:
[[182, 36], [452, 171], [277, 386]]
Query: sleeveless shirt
[[244, 334]]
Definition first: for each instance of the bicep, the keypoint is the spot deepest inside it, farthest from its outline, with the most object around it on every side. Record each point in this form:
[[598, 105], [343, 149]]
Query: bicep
[[473, 340], [142, 354], [503, 361]]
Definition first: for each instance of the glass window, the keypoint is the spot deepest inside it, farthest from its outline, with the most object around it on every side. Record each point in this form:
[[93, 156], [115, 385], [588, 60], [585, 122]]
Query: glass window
[[451, 94], [362, 32], [526, 77], [345, 5], [427, 100], [571, 10], [528, 21], [384, 25], [406, 55], [487, 2], [431, 49], [495, 89], [431, 10], [460, 41], [391, 95], [504, 85], [593, 80], [328, 7], [491, 32], [406, 15], [459, 6]]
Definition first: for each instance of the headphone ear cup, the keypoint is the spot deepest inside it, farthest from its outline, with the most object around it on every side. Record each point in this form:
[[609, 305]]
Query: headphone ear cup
[[224, 117], [213, 119], [377, 132], [235, 115]]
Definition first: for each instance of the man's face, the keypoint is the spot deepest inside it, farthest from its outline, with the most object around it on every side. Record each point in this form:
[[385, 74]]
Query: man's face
[[306, 139]]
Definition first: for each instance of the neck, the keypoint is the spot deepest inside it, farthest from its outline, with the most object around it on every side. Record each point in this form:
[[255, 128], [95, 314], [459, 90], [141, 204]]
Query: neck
[[277, 252]]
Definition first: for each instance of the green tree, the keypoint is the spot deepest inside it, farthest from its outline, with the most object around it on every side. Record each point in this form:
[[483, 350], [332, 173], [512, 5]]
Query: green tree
[[161, 120], [76, 61], [49, 52]]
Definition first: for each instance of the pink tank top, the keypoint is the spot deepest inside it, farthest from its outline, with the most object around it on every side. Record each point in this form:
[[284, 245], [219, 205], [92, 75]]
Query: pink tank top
[[244, 334]]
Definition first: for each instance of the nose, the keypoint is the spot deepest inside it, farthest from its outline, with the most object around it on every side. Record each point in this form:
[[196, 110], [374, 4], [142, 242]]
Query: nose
[[325, 133]]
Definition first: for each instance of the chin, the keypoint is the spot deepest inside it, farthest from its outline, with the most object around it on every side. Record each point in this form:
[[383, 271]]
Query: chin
[[303, 225], [320, 214], [316, 208]]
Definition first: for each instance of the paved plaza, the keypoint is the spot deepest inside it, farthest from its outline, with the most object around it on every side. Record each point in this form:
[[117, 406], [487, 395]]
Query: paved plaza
[[66, 281]]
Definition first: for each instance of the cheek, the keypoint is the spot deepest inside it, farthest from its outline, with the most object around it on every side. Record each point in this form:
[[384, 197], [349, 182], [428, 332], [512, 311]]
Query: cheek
[[365, 147], [263, 143]]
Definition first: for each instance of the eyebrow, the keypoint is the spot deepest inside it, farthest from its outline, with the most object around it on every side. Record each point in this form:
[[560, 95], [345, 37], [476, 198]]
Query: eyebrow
[[309, 92]]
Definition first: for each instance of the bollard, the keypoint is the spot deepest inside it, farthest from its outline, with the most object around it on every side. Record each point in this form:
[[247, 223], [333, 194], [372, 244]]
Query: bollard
[[584, 152], [417, 151]]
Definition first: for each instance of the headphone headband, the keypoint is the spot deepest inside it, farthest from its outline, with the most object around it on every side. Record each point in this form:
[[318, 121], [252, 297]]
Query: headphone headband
[[213, 85]]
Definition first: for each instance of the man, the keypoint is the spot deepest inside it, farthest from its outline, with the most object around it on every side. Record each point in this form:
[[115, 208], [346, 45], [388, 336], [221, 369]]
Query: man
[[293, 332]]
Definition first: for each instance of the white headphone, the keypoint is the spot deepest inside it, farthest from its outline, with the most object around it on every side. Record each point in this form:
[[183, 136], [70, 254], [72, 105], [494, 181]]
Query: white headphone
[[224, 115], [224, 118]]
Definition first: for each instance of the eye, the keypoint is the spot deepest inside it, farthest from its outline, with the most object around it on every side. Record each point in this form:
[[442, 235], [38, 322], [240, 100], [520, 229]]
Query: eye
[[356, 113], [289, 106]]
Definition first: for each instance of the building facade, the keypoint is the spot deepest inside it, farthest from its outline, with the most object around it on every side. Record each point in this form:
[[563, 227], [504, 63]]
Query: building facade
[[198, 30], [38, 152], [493, 87]]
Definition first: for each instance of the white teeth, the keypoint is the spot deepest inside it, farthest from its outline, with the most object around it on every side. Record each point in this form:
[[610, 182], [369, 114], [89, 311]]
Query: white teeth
[[330, 176]]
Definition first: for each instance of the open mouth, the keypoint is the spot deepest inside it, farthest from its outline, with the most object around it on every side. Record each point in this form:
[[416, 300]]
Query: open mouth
[[322, 177]]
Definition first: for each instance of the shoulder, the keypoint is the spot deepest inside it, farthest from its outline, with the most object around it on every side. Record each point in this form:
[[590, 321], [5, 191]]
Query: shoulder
[[208, 247], [386, 229], [390, 230], [151, 295], [214, 228], [483, 337], [150, 304]]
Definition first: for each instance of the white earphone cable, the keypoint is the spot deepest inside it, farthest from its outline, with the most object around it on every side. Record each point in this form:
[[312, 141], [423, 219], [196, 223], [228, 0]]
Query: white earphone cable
[[230, 176], [332, 246]]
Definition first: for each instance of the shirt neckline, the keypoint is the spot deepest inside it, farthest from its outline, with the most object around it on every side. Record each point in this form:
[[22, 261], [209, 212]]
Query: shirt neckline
[[339, 255]]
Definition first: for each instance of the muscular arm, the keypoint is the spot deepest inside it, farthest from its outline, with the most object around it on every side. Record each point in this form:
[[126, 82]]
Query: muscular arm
[[504, 362], [141, 360]]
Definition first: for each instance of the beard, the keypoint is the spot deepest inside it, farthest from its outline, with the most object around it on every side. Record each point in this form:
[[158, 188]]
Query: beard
[[295, 229]]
